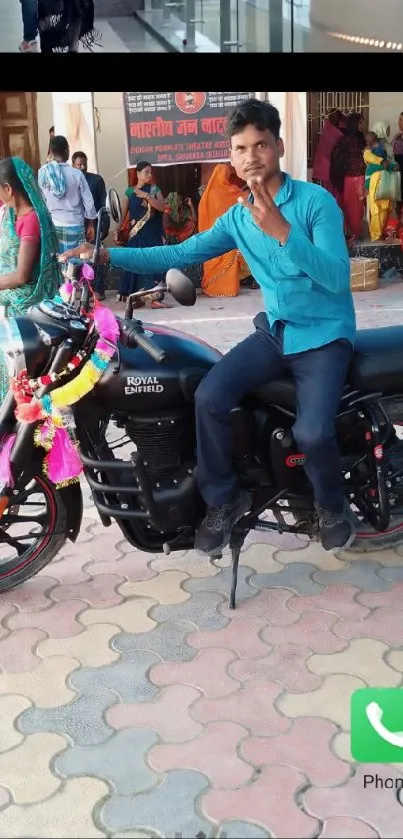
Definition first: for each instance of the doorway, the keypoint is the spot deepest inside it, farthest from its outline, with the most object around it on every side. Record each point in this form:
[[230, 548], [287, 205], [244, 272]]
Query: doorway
[[19, 127], [320, 104]]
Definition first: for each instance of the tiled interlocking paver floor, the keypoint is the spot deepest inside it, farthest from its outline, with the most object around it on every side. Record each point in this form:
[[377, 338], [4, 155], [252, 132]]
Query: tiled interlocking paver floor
[[134, 704]]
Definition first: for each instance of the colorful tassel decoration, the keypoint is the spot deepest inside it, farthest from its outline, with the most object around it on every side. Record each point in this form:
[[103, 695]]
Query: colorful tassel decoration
[[6, 445], [62, 463]]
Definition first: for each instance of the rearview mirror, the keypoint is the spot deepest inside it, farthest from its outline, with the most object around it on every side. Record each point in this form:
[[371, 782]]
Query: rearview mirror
[[113, 206], [181, 288]]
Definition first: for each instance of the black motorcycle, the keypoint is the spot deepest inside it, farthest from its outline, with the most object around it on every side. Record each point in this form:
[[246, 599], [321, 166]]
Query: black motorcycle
[[137, 442]]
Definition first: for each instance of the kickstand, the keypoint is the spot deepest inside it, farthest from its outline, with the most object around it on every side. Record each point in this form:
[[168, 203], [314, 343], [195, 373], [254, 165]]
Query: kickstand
[[236, 542]]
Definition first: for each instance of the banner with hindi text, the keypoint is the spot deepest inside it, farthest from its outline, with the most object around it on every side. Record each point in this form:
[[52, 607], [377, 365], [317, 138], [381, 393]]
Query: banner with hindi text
[[170, 128]]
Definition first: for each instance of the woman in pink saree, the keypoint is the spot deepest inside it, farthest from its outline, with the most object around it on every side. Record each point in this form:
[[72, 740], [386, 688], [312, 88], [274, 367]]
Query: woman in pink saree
[[332, 132]]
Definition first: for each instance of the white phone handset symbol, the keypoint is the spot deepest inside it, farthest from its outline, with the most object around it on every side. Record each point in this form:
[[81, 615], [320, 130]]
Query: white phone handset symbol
[[375, 714]]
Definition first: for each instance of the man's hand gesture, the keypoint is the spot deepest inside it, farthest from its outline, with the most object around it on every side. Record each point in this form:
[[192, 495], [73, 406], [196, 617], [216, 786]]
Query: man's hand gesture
[[265, 213]]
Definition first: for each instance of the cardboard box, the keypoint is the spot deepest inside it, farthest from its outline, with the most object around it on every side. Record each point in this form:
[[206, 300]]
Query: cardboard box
[[364, 274]]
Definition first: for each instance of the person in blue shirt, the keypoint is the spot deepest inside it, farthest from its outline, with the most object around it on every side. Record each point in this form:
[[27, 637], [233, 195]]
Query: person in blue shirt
[[291, 235]]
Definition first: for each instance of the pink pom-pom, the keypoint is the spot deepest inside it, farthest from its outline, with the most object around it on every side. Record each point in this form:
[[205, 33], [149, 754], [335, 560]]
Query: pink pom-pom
[[103, 347], [87, 272], [6, 445], [106, 324], [62, 461], [66, 291]]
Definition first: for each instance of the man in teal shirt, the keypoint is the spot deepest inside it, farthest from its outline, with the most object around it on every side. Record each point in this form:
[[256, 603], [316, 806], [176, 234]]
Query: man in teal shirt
[[291, 236]]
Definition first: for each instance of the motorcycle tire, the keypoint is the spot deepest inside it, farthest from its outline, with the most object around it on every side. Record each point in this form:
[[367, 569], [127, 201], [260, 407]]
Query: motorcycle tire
[[48, 544], [368, 540]]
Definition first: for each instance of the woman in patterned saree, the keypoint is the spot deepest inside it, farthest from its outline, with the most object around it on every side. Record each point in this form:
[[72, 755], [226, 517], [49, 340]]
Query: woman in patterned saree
[[29, 271], [145, 208]]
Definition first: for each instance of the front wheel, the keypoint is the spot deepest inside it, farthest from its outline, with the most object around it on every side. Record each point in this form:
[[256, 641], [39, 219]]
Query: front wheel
[[33, 528], [367, 539]]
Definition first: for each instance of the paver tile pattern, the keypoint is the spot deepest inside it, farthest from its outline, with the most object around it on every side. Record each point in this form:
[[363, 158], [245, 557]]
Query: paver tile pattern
[[133, 703]]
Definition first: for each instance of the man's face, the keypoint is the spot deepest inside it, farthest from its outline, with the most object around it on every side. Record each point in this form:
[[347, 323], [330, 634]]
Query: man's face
[[80, 163], [255, 152]]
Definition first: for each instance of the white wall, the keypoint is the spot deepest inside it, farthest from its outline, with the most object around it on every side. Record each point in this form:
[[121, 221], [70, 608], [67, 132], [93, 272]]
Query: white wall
[[74, 119], [53, 109], [110, 140], [44, 106], [293, 115], [385, 106], [109, 145]]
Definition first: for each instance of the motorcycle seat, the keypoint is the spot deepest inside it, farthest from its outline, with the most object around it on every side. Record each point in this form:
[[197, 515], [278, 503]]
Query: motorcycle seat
[[376, 365]]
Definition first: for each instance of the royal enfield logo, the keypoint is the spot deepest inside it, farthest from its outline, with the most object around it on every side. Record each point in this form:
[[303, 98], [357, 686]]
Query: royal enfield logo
[[295, 460], [143, 384]]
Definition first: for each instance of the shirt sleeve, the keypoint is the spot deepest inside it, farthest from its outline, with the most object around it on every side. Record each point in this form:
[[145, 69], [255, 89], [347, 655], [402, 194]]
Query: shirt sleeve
[[28, 228], [324, 256], [194, 251], [88, 201]]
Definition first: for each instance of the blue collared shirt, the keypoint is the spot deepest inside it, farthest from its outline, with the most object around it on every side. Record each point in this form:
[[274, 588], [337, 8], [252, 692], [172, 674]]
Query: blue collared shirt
[[305, 283]]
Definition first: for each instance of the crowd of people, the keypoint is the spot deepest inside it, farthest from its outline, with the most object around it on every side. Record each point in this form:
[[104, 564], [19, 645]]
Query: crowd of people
[[45, 216], [364, 172], [150, 219]]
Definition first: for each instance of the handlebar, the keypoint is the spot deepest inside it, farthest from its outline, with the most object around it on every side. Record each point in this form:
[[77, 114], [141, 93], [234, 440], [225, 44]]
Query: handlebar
[[132, 336]]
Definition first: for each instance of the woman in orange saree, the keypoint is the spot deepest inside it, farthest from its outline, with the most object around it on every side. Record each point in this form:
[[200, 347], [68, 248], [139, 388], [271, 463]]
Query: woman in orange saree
[[222, 275]]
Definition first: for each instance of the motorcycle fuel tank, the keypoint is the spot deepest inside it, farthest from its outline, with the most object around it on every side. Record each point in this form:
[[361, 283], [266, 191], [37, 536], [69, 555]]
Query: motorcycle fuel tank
[[137, 384]]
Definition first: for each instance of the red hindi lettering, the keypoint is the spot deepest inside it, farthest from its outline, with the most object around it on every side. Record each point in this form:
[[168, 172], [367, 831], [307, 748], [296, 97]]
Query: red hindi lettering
[[158, 128], [214, 125], [187, 126]]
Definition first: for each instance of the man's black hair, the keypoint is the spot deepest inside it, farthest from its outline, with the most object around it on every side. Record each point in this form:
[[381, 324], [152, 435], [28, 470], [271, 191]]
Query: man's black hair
[[59, 146], [261, 115], [79, 154]]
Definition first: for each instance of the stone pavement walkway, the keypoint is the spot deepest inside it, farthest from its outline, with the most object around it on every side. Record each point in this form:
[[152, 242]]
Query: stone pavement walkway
[[134, 704]]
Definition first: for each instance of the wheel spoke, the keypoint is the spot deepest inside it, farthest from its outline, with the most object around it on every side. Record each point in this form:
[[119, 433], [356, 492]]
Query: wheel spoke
[[15, 519], [14, 543], [24, 524]]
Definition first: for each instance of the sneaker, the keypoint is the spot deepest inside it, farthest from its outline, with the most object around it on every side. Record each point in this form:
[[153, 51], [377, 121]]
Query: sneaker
[[214, 532], [336, 529], [28, 46]]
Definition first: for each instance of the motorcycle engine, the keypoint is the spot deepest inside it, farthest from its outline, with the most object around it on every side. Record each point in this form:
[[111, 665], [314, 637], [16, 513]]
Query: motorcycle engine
[[166, 445]]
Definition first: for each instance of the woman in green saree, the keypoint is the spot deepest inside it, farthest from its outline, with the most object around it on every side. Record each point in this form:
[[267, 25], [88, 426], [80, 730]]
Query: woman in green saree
[[29, 271]]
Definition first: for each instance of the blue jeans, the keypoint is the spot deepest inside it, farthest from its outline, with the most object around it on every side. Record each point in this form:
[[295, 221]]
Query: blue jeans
[[29, 10], [319, 377]]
